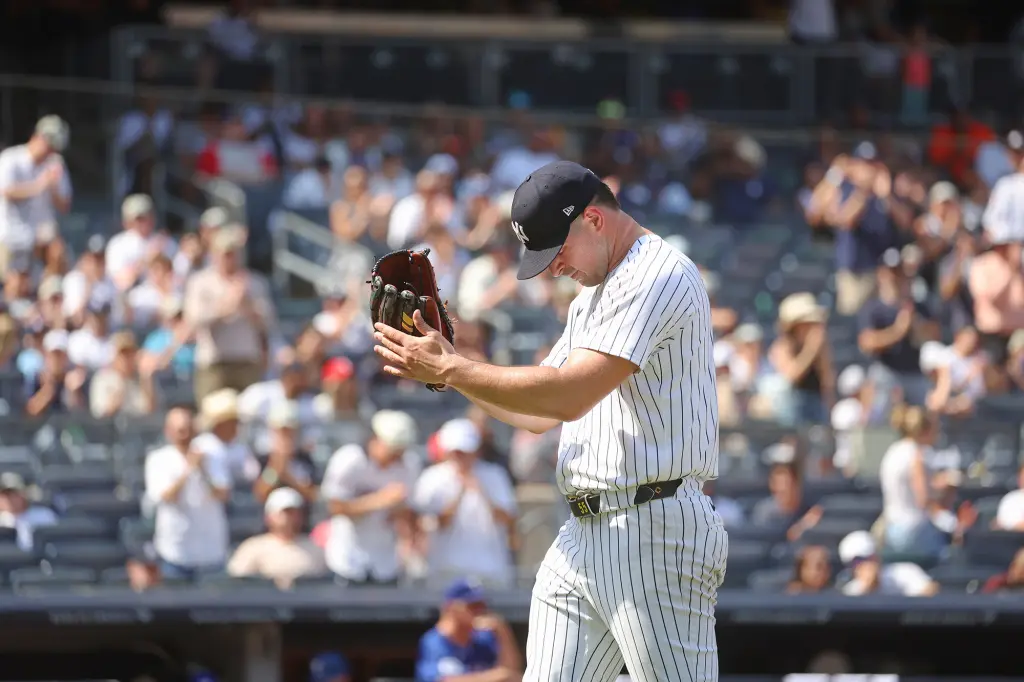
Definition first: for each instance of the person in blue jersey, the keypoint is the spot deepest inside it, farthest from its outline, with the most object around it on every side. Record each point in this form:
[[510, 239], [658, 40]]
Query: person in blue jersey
[[468, 643]]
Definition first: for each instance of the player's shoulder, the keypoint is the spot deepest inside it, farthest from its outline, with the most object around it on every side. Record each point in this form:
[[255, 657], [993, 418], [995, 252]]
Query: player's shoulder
[[655, 262], [14, 153]]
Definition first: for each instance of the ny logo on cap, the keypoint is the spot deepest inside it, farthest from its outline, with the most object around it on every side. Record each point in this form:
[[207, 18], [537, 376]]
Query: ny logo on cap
[[568, 210], [519, 232]]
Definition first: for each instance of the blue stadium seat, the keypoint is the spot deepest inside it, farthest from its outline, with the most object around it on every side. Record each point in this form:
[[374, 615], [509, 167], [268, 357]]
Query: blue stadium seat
[[135, 532], [95, 554], [745, 557], [770, 579], [16, 454], [97, 476], [11, 558], [101, 505], [830, 531], [8, 536], [863, 507], [959, 578], [225, 581], [55, 577], [243, 527], [73, 529], [992, 547]]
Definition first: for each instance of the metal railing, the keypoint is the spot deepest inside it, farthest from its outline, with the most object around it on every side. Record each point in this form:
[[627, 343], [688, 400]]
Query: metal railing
[[751, 83]]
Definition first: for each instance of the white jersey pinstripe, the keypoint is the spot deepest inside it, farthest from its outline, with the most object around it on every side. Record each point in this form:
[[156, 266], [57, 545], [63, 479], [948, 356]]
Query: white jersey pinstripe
[[661, 424], [637, 585]]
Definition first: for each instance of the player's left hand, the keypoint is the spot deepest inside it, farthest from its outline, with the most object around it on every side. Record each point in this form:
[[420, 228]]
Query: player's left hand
[[420, 358]]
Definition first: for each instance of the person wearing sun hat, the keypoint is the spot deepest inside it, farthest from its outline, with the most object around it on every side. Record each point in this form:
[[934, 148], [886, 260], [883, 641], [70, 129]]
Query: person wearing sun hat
[[801, 356]]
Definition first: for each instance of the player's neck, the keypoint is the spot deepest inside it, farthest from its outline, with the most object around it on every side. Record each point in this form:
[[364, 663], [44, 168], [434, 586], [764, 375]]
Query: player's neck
[[453, 632], [627, 236]]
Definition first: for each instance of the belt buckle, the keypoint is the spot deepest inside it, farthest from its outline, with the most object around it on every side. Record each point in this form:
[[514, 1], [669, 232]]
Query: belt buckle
[[585, 505]]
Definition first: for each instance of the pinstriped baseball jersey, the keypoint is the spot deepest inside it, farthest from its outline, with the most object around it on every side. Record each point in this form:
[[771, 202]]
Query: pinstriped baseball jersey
[[662, 423]]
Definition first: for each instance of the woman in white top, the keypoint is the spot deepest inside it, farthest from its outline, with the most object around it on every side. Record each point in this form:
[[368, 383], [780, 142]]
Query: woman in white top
[[904, 480], [960, 379]]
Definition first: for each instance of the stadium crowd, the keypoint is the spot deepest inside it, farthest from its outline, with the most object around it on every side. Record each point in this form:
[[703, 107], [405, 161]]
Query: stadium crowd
[[142, 324]]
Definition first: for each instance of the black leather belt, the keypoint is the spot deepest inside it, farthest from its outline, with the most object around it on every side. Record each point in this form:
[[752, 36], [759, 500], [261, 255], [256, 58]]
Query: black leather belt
[[590, 505]]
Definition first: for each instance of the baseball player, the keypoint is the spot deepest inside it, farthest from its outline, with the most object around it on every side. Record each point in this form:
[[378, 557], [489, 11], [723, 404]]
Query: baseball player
[[633, 576]]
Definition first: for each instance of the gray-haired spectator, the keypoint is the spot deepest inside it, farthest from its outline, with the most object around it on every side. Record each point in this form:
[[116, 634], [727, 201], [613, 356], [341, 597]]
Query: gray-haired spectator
[[232, 314], [34, 188]]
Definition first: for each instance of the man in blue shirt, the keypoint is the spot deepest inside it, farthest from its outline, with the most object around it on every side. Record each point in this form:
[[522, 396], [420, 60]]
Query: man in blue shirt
[[468, 644]]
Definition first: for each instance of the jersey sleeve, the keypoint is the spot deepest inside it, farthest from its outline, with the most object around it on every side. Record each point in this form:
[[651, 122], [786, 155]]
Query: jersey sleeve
[[428, 662], [559, 352], [639, 310]]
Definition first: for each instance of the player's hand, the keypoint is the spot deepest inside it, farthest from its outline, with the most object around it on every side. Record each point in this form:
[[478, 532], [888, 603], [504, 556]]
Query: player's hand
[[424, 358]]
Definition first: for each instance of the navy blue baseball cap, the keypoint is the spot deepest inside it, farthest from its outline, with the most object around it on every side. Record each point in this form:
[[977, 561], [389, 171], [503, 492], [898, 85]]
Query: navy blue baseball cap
[[543, 208], [330, 665], [468, 591]]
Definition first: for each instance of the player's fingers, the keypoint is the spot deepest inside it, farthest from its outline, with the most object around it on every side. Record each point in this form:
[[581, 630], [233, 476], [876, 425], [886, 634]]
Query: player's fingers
[[395, 335], [388, 343], [389, 356], [396, 372]]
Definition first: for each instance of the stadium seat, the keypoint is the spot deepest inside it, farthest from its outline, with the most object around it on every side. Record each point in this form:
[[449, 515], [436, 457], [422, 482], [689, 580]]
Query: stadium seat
[[84, 476], [770, 579], [957, 578], [8, 535], [745, 557], [992, 547], [225, 581], [75, 528], [987, 508], [244, 527], [11, 558], [16, 455], [99, 505], [56, 577], [853, 506], [135, 532], [831, 530], [96, 554]]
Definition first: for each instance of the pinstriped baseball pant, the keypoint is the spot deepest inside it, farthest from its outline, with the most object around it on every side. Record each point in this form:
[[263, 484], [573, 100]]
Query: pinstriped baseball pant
[[635, 586]]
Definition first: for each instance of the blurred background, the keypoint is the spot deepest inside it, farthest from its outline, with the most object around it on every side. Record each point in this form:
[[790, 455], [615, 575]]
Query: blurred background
[[192, 196]]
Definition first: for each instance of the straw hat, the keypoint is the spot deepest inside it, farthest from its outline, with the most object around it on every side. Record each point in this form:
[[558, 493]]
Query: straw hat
[[802, 307], [219, 407]]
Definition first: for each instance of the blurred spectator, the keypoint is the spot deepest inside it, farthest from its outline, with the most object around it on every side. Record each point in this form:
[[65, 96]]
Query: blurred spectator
[[447, 257], [723, 318], [947, 513], [34, 188], [893, 327], [745, 193], [352, 206], [188, 489], [998, 158], [904, 479], [87, 284], [1015, 359], [329, 666], [748, 363], [147, 299], [468, 639], [413, 213], [18, 513], [489, 280], [118, 388], [1010, 513], [221, 437], [800, 354], [55, 387], [171, 344], [955, 142], [143, 569], [232, 314], [953, 280], [472, 506], [512, 165], [859, 406], [341, 398], [8, 340], [343, 320], [960, 378], [285, 463], [231, 155], [283, 553], [868, 575], [367, 492], [257, 401], [812, 571], [729, 509], [392, 181], [997, 288], [144, 135], [851, 201], [685, 136], [786, 507], [50, 303], [129, 252], [312, 188], [1010, 582], [89, 346], [729, 409]]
